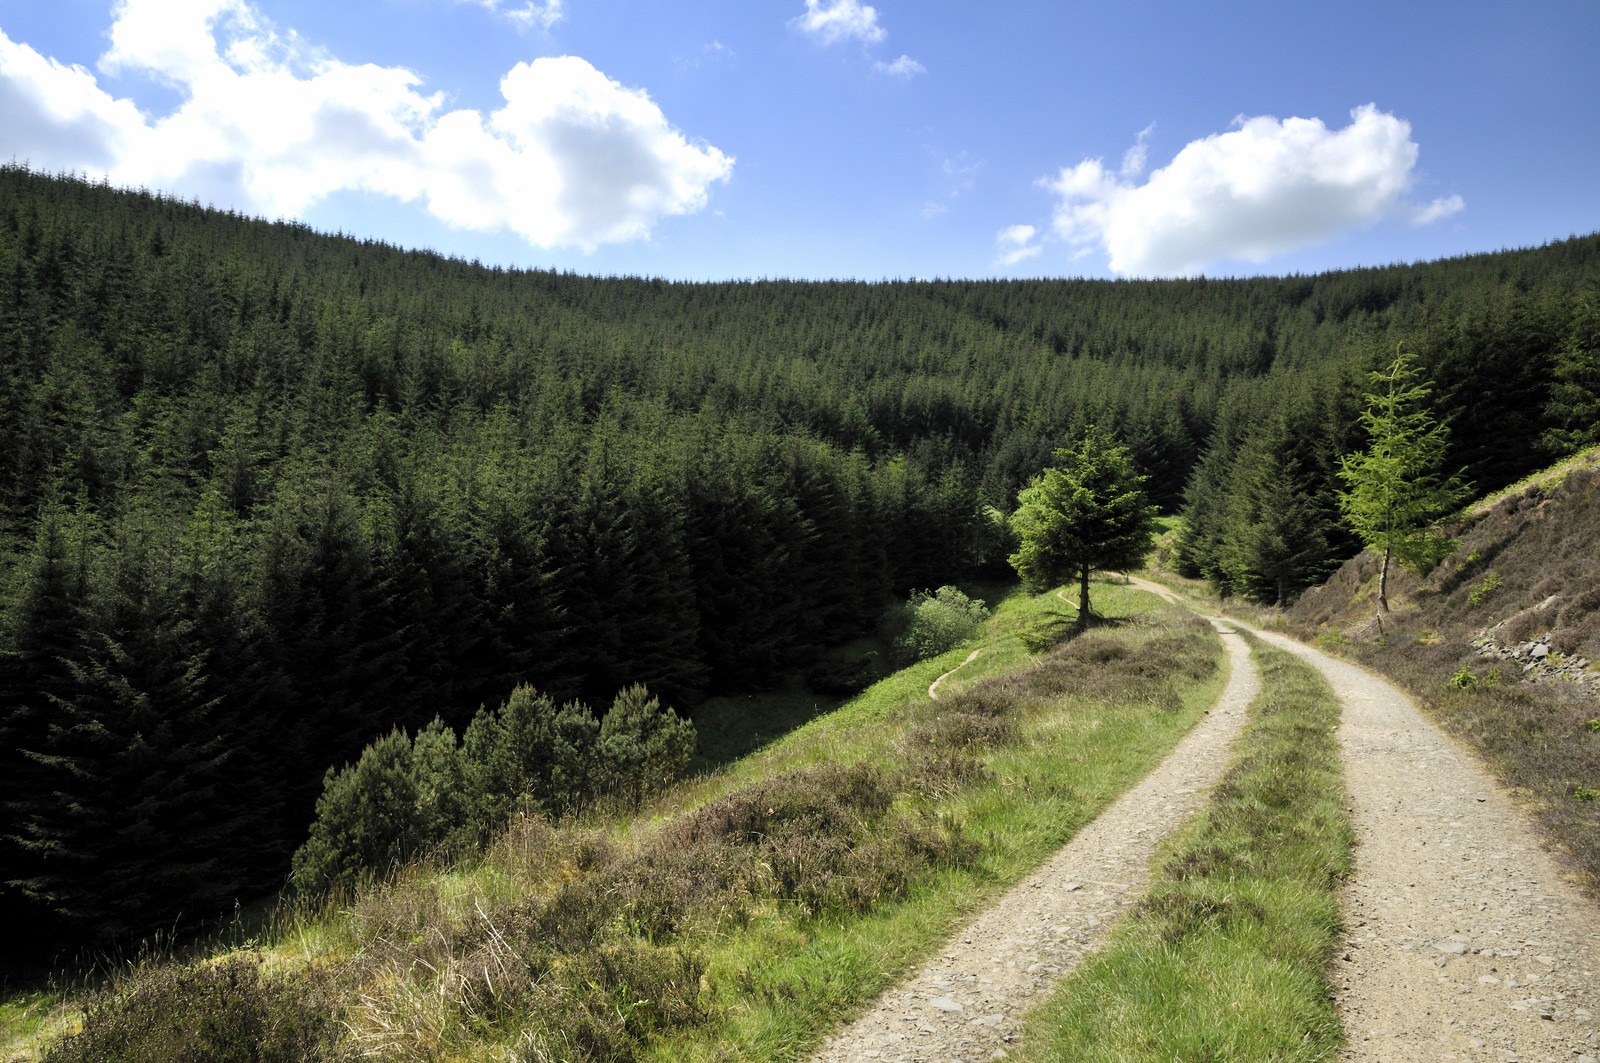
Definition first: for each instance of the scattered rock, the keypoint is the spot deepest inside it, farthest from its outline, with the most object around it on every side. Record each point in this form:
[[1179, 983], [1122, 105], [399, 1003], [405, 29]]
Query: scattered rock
[[1539, 663], [946, 1004]]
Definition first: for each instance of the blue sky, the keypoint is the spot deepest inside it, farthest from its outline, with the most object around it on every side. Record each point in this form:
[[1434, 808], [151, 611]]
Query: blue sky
[[762, 138]]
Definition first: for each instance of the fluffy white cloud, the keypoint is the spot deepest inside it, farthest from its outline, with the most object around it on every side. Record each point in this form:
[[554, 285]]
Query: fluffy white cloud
[[272, 126], [1262, 189], [1016, 243], [56, 116], [840, 20], [904, 67]]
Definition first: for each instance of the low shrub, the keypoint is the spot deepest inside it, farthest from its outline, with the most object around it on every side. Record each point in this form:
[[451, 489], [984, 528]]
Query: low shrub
[[227, 1011], [824, 800], [404, 797], [942, 773], [934, 623], [961, 730]]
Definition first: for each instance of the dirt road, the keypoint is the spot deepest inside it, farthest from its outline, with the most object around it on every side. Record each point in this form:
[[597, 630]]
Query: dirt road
[[1465, 940], [966, 1004]]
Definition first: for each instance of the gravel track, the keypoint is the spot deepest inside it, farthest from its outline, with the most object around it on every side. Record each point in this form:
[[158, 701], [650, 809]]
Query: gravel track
[[966, 1004], [1466, 938]]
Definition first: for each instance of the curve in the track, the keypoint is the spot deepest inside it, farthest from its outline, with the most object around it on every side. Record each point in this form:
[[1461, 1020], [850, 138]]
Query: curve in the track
[[966, 1003], [1465, 938]]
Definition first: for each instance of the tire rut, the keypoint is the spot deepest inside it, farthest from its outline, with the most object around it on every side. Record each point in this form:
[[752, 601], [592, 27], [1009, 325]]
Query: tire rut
[[966, 1003], [1464, 939]]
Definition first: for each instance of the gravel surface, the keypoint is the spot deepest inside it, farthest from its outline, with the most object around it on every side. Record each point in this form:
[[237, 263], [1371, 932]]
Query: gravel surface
[[967, 1003], [1466, 939]]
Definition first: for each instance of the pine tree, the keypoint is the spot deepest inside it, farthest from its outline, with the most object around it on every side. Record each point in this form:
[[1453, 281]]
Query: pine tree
[[1395, 495], [1277, 534], [642, 746], [1088, 514], [1575, 395]]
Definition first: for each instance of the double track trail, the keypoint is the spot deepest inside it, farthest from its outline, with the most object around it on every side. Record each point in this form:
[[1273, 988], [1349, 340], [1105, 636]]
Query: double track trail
[[1465, 938], [966, 1003]]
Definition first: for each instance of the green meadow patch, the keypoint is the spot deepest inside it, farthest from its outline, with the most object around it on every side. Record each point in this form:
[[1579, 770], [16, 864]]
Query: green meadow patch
[[1226, 957], [744, 913]]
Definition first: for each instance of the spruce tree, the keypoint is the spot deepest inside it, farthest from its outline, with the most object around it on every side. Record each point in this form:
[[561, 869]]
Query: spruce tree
[[1575, 395], [1089, 513], [1277, 534], [1395, 494]]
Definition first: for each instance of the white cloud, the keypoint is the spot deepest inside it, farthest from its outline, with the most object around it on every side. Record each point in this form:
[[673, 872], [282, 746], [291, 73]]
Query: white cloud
[[840, 20], [960, 175], [1134, 158], [271, 126], [56, 117], [1016, 244], [1262, 189], [1439, 208], [530, 14], [904, 67]]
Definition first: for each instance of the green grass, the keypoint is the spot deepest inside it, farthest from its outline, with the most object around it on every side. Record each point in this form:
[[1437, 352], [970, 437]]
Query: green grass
[[786, 981], [779, 975], [29, 1020], [734, 726], [1226, 957], [1544, 478]]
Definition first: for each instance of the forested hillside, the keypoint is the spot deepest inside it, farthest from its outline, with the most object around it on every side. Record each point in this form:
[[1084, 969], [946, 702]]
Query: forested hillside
[[266, 494]]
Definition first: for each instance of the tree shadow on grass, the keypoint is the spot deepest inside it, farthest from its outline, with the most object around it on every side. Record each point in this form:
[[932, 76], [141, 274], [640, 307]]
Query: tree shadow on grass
[[1053, 629]]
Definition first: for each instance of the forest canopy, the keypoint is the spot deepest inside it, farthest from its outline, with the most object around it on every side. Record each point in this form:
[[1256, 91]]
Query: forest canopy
[[268, 494]]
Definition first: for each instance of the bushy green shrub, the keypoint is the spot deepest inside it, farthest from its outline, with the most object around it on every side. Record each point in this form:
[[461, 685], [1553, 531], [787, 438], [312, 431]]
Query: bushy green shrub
[[642, 748], [529, 756], [405, 797], [367, 817], [937, 622]]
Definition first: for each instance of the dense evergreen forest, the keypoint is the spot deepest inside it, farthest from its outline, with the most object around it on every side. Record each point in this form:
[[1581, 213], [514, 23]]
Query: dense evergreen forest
[[266, 494]]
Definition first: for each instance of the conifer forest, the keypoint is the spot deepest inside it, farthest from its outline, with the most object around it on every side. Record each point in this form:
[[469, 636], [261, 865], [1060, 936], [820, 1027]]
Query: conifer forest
[[268, 494]]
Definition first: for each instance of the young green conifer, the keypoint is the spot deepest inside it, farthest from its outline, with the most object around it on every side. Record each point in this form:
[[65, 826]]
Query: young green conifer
[[1395, 496], [1090, 513], [1575, 389]]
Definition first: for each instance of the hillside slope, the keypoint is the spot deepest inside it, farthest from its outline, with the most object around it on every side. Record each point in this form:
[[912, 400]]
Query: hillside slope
[[1500, 642], [266, 494]]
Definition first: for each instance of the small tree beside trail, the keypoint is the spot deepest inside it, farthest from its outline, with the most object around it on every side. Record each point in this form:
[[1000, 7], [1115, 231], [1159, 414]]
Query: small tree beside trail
[[1396, 497], [1090, 513]]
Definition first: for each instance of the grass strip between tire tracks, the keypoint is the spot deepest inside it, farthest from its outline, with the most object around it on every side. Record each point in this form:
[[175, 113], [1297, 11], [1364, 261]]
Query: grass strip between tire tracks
[[1226, 958]]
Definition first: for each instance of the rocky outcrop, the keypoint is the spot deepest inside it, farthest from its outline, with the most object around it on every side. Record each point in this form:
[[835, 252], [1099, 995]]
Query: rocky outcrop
[[1535, 660]]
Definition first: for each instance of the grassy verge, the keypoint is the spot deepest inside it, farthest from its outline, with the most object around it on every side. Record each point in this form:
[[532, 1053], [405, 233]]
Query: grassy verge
[[744, 913], [783, 984], [1225, 959]]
